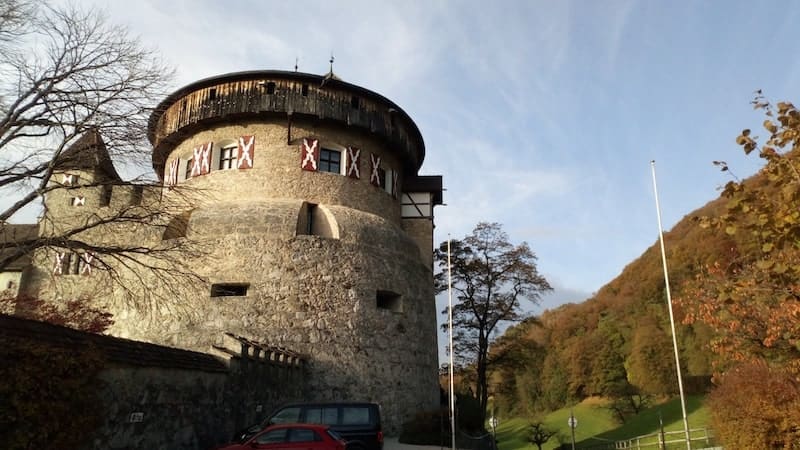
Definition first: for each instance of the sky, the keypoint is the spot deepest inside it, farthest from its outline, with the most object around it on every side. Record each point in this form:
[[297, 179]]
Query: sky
[[540, 115]]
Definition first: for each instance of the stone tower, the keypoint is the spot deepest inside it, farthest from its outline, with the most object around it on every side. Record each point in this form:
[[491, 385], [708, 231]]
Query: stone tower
[[316, 230]]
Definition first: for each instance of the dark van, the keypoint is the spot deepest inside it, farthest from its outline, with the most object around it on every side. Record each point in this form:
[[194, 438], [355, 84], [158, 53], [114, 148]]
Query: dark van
[[358, 423]]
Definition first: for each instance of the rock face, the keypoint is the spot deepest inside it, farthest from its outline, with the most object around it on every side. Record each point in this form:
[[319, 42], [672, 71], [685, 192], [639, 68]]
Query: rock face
[[305, 204]]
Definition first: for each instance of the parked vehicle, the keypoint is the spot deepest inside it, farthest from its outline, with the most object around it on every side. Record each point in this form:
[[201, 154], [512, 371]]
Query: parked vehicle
[[358, 423], [294, 435]]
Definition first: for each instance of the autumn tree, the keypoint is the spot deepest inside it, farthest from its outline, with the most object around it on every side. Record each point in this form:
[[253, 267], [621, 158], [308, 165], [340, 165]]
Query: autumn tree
[[750, 297], [490, 279], [69, 83]]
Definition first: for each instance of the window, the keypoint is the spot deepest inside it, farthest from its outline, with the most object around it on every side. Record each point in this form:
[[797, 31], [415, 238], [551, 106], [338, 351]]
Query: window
[[389, 300], [227, 157], [381, 177], [105, 195], [324, 415], [75, 263], [355, 415], [136, 195], [303, 435], [286, 415], [330, 161], [316, 221], [271, 437], [77, 201], [212, 94], [270, 88], [229, 289], [354, 102], [187, 169], [305, 90]]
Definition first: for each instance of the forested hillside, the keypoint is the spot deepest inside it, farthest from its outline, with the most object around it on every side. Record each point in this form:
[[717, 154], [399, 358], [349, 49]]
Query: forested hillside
[[617, 343], [735, 278]]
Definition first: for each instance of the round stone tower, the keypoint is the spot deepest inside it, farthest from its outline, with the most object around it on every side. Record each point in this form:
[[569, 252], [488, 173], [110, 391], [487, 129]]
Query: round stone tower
[[316, 227]]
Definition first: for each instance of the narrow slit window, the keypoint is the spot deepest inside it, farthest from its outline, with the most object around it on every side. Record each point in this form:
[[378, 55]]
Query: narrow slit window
[[305, 90], [229, 289], [105, 195]]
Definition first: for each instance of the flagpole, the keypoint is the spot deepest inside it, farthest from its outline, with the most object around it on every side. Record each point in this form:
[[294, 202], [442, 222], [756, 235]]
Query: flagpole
[[450, 348], [669, 303]]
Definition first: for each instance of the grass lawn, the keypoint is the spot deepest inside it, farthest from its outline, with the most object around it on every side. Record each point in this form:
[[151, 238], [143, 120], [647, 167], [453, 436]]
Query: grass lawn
[[597, 425]]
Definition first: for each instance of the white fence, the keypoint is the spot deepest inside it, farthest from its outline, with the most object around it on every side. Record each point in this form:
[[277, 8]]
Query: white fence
[[669, 440]]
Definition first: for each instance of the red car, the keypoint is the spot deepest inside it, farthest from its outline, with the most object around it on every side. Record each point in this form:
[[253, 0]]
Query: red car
[[289, 436]]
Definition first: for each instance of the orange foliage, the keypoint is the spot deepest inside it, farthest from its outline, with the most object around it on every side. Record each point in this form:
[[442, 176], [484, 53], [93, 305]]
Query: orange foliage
[[757, 415]]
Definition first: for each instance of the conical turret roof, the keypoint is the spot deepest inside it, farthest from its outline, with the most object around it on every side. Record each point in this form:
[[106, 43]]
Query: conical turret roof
[[89, 152]]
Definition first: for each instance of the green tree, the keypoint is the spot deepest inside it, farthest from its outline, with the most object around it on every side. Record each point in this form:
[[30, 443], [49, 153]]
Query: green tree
[[490, 278], [651, 363], [538, 434]]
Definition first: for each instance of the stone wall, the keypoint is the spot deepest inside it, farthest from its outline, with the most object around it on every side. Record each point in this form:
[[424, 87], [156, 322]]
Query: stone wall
[[156, 397]]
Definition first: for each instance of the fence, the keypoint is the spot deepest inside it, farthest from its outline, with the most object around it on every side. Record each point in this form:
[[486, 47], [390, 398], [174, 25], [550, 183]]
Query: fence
[[668, 440]]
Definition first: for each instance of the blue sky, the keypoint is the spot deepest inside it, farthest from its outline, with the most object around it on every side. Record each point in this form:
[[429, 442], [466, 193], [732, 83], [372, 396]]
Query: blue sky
[[540, 115]]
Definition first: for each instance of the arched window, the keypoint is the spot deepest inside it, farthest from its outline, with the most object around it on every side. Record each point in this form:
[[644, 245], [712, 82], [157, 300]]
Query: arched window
[[315, 220]]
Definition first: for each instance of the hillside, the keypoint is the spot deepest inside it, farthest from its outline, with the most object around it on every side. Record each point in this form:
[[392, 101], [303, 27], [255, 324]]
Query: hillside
[[616, 343]]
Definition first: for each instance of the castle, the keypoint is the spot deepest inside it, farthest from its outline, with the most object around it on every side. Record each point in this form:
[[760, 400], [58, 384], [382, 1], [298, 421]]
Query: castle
[[310, 229]]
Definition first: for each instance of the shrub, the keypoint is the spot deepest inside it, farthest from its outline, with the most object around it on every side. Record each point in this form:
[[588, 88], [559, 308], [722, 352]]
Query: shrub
[[756, 407]]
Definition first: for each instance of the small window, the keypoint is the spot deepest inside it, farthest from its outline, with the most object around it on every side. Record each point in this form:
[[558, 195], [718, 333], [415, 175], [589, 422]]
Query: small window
[[227, 157], [389, 300], [187, 170], [229, 289], [105, 195], [330, 161], [270, 88], [136, 195], [212, 94], [77, 201], [305, 90], [381, 177], [354, 102]]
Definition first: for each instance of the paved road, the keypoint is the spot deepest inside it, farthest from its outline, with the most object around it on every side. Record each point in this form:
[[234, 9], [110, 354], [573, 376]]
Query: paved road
[[392, 444]]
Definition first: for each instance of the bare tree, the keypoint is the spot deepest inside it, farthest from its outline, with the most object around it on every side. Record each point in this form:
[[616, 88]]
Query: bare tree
[[76, 93], [490, 277]]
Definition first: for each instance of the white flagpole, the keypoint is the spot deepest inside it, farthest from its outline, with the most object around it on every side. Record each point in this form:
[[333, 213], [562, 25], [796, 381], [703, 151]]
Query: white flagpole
[[669, 303], [450, 332]]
